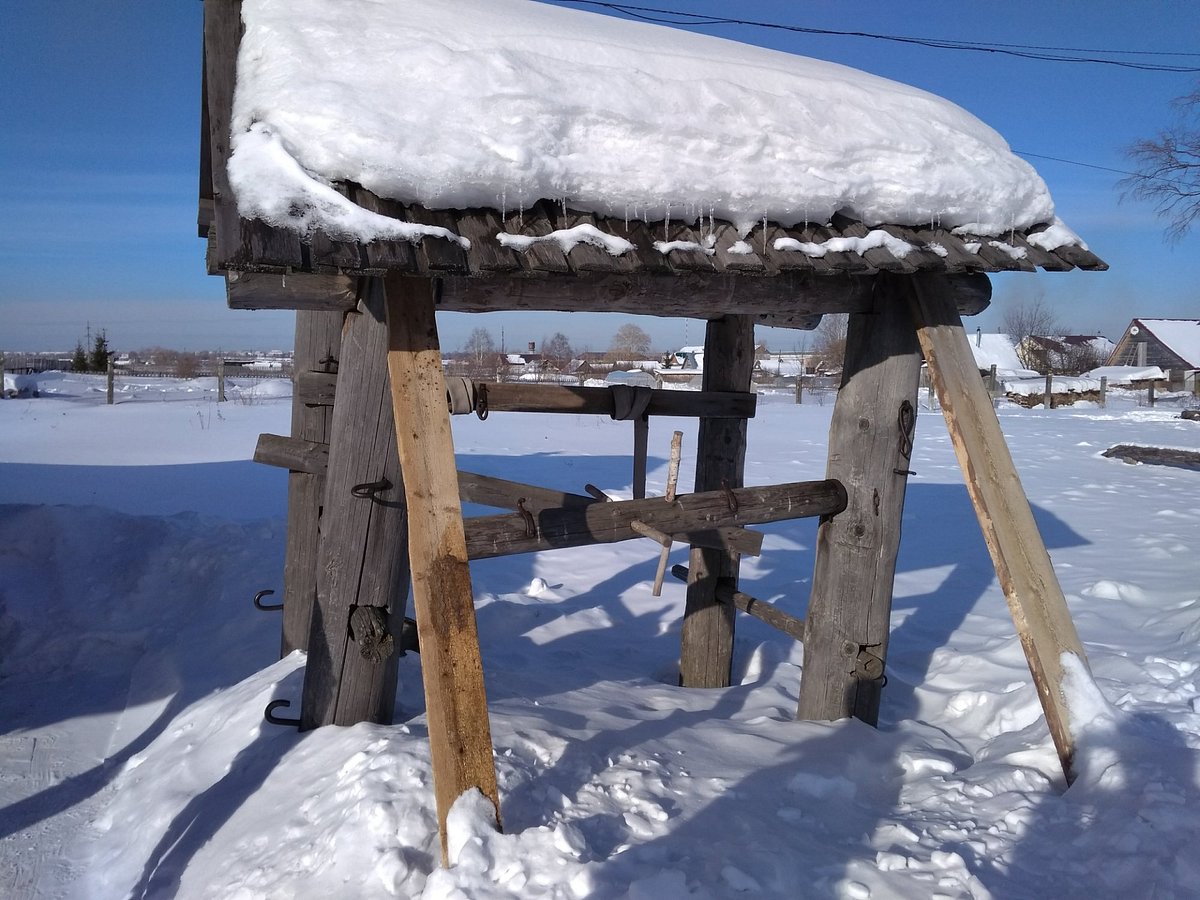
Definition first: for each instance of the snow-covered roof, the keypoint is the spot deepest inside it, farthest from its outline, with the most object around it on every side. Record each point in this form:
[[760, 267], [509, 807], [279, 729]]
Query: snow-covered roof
[[998, 350], [500, 103], [1180, 336], [522, 137]]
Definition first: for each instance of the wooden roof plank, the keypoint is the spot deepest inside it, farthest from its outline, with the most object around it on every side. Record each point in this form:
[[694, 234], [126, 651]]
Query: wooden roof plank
[[438, 255], [487, 256], [385, 256], [689, 254], [542, 257], [957, 258], [996, 258], [789, 260], [749, 262], [1043, 259], [921, 258], [585, 257], [649, 260], [878, 257]]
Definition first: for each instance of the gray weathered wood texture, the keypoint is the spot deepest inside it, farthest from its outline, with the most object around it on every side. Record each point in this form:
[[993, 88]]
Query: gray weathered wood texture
[[706, 643], [460, 738], [1023, 566], [317, 347], [608, 522], [850, 604], [361, 558], [752, 606], [1158, 456], [320, 389]]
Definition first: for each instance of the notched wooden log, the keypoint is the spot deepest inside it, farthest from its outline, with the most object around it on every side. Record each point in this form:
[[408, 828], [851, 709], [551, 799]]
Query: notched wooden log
[[369, 629]]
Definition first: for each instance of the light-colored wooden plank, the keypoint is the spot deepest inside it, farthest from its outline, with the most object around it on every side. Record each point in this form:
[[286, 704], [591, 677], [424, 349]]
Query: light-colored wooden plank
[[706, 643], [456, 705], [1023, 566], [851, 600]]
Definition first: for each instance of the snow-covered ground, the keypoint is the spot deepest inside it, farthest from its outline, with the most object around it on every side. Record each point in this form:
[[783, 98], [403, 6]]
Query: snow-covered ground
[[134, 759]]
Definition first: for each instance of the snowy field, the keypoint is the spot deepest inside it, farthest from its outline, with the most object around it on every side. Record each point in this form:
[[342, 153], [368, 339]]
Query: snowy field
[[134, 760]]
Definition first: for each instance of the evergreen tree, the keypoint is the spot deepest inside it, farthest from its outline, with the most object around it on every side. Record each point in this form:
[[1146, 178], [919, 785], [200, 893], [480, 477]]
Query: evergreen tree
[[98, 361], [79, 359]]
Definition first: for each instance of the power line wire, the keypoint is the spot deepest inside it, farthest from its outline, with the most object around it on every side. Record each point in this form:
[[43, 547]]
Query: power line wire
[[1072, 162], [1021, 51]]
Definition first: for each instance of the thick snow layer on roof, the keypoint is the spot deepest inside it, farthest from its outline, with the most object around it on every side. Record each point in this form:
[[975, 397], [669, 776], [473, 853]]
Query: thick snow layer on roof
[[499, 103], [1182, 337], [998, 350]]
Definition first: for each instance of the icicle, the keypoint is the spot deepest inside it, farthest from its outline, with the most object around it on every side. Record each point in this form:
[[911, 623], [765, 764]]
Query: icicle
[[667, 222], [764, 235], [503, 203], [627, 218], [521, 212]]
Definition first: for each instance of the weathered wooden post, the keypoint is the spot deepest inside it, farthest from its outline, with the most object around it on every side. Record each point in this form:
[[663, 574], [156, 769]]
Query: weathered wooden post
[[993, 381], [362, 559], [1103, 391], [1048, 393], [1023, 566], [870, 447], [800, 388], [317, 348], [706, 655], [460, 739], [1150, 393], [109, 377], [221, 380]]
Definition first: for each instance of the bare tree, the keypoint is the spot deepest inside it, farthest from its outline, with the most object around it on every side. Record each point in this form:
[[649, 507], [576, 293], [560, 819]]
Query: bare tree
[[630, 341], [557, 351], [1168, 169], [829, 345], [1030, 318], [479, 345]]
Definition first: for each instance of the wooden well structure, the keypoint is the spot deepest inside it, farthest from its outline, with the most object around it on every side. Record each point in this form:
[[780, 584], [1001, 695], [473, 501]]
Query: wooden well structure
[[374, 495]]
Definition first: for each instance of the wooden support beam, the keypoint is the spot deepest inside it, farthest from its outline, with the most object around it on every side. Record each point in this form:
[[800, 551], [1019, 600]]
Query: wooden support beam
[[361, 558], [318, 343], [870, 443], [292, 453], [319, 388], [250, 290], [706, 654], [606, 523], [486, 490], [787, 298], [752, 606], [460, 738], [1023, 566]]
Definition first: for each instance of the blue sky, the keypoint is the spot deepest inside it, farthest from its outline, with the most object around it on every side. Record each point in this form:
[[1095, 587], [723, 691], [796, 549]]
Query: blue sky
[[98, 158]]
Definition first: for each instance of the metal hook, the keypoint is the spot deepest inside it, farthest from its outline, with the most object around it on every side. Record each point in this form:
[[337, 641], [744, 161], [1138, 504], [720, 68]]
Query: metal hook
[[481, 401], [368, 489], [530, 527], [270, 716], [265, 607]]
